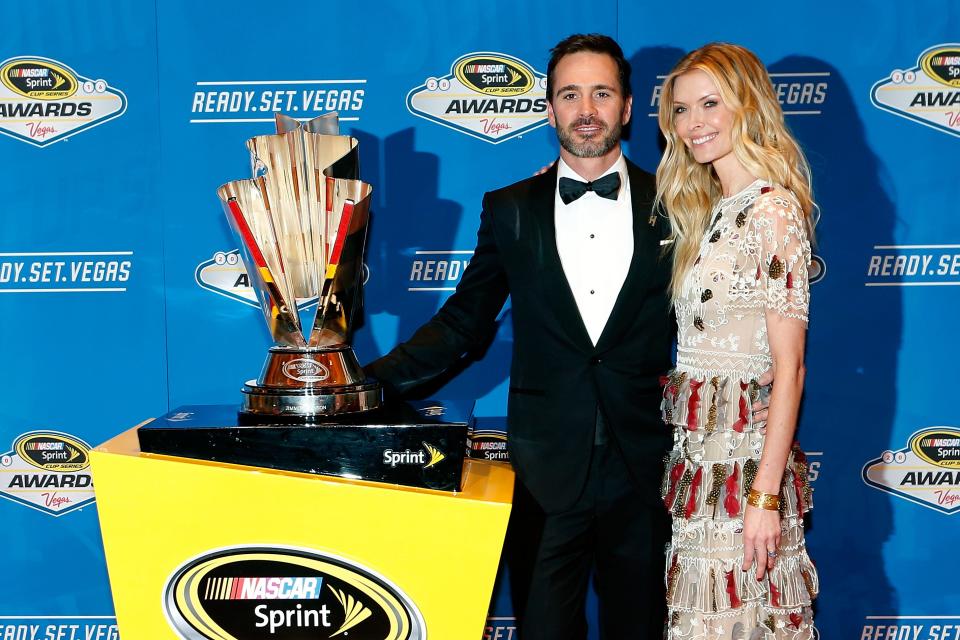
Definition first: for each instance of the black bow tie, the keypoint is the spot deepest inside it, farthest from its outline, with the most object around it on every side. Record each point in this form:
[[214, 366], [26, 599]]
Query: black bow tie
[[606, 187]]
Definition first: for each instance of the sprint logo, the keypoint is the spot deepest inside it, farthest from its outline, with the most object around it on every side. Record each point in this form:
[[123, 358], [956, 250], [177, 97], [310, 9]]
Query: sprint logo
[[427, 457]]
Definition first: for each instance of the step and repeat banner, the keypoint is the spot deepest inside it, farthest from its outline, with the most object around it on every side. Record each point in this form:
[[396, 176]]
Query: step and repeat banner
[[122, 295]]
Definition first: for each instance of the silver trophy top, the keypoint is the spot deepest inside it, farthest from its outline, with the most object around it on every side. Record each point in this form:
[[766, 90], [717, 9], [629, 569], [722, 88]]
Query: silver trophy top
[[302, 221]]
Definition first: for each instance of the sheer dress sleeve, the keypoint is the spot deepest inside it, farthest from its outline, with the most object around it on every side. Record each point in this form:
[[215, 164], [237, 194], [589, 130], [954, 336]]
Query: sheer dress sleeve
[[783, 252]]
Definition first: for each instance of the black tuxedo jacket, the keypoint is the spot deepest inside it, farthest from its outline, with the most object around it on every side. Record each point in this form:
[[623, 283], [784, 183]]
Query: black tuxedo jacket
[[559, 379]]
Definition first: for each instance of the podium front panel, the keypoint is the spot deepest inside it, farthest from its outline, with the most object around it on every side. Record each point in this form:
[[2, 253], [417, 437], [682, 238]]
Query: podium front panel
[[199, 549]]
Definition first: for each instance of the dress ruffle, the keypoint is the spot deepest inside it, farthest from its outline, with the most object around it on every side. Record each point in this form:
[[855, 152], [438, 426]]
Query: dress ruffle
[[704, 573], [716, 453]]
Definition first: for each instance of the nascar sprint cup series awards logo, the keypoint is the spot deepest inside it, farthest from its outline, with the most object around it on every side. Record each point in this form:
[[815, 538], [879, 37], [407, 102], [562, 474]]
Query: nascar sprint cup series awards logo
[[486, 95], [926, 471], [43, 101], [251, 592], [48, 471], [928, 93], [225, 275]]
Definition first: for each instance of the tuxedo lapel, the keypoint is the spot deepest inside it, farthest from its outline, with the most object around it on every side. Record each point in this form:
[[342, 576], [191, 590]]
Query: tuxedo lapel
[[556, 289], [642, 264]]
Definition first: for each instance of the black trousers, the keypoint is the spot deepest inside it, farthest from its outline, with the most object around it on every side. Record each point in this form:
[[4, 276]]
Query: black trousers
[[622, 538]]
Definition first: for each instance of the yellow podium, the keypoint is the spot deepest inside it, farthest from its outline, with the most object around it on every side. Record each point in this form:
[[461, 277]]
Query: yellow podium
[[207, 550]]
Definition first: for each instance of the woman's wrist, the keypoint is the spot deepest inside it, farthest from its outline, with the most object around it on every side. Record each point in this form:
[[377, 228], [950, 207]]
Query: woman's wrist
[[764, 483], [764, 487]]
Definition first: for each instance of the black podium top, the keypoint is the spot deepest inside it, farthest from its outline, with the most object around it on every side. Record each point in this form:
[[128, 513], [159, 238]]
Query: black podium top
[[419, 444]]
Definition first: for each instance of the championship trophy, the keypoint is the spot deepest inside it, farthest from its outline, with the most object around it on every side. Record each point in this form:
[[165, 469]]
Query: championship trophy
[[302, 222]]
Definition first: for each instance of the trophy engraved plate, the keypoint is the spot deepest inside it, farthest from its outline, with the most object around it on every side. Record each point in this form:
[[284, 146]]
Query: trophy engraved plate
[[302, 223]]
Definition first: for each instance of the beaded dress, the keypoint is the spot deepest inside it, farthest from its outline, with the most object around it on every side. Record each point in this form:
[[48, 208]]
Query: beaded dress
[[753, 258]]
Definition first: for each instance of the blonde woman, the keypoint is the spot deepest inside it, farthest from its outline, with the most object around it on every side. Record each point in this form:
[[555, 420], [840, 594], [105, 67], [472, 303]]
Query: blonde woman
[[737, 190]]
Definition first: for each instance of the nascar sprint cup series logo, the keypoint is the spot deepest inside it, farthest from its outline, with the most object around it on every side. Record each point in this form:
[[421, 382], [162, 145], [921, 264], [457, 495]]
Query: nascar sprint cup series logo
[[488, 444], [48, 471], [926, 471], [486, 95], [928, 93], [252, 592], [43, 101]]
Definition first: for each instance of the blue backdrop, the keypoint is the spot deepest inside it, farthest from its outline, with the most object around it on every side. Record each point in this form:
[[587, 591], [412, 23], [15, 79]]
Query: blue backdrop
[[121, 296]]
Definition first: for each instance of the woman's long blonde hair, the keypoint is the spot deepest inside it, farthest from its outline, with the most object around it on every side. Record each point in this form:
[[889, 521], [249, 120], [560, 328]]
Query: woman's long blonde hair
[[761, 142]]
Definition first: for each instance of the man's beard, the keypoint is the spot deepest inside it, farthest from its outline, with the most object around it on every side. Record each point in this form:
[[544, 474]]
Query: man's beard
[[597, 146]]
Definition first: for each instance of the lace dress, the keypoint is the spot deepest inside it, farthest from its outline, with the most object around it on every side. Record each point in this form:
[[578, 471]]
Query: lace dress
[[753, 258]]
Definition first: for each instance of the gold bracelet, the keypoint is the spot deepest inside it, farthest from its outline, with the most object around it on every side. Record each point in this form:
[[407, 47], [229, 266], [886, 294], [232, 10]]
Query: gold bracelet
[[762, 500]]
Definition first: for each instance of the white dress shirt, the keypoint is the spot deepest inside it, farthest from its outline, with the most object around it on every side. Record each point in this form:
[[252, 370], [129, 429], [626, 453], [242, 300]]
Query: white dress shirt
[[595, 243]]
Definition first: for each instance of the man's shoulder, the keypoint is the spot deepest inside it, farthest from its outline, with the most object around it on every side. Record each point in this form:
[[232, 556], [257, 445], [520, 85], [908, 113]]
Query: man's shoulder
[[523, 189], [640, 178]]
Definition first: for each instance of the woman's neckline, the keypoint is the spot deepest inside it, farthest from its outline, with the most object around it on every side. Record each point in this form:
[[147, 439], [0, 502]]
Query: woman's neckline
[[728, 199]]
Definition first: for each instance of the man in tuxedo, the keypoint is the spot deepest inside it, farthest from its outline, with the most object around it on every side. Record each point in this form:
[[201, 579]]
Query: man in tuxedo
[[580, 252]]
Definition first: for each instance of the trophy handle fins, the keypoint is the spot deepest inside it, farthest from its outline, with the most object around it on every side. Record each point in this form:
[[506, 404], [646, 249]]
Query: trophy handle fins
[[345, 218], [277, 308]]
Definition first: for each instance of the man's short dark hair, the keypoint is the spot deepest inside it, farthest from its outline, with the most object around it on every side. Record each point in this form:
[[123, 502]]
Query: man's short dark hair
[[593, 43]]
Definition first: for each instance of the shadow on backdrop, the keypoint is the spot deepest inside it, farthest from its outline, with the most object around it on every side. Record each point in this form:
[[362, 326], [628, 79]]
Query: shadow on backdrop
[[852, 363], [645, 144], [409, 216]]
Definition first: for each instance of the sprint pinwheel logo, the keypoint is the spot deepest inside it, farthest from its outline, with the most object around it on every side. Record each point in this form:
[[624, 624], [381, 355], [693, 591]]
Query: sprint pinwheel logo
[[435, 455], [282, 593]]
